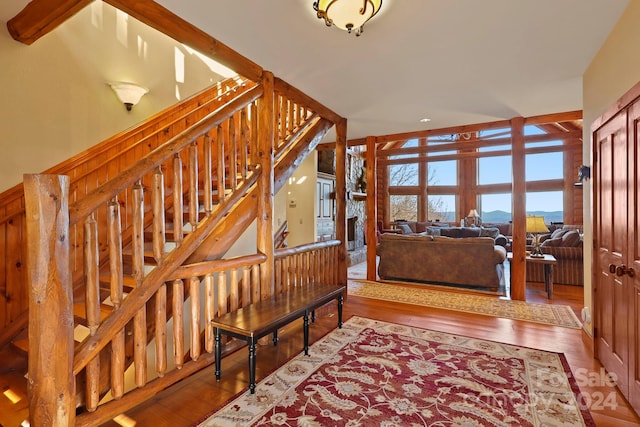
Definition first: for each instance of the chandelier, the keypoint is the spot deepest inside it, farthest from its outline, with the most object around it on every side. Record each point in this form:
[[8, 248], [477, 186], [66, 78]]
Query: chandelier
[[349, 15]]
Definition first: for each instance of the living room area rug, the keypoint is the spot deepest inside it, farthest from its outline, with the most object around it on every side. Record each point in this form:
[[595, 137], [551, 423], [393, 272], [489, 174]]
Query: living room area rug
[[377, 373], [548, 314]]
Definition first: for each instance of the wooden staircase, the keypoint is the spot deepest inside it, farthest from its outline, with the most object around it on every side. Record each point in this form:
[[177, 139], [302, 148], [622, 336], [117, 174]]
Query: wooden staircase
[[137, 261]]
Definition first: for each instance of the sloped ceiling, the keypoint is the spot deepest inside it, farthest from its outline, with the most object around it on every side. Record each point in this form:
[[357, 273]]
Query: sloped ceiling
[[455, 62]]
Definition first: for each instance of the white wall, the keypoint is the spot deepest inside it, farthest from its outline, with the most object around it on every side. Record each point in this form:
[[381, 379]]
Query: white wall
[[55, 102], [613, 71], [301, 202]]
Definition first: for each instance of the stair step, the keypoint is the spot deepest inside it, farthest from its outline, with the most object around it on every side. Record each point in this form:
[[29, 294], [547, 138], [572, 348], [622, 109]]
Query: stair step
[[127, 253]]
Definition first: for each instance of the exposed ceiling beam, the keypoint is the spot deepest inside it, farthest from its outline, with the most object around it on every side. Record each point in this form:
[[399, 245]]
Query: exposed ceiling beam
[[39, 17]]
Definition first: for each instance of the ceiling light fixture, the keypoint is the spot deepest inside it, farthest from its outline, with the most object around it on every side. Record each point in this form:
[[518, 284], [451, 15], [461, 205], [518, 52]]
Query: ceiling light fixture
[[128, 93], [349, 15]]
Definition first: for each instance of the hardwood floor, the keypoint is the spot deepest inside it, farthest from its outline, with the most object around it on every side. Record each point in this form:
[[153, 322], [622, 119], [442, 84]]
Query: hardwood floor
[[192, 399], [188, 402]]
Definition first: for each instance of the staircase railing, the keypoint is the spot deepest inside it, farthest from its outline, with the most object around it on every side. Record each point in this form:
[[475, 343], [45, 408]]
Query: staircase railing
[[193, 180], [89, 170]]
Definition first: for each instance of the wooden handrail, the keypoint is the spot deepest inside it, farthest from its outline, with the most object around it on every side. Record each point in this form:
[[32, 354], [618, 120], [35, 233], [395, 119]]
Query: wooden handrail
[[207, 267], [297, 250], [102, 194]]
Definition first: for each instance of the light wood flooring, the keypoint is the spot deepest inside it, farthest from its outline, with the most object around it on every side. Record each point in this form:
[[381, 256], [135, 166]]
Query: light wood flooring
[[193, 398]]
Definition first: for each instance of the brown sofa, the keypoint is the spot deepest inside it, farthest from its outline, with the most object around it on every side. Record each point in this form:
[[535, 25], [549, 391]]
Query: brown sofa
[[473, 262]]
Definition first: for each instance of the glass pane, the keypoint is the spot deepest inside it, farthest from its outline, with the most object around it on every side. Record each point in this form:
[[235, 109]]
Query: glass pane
[[404, 207], [443, 173], [546, 203], [495, 208], [543, 166], [494, 170], [400, 175], [442, 208]]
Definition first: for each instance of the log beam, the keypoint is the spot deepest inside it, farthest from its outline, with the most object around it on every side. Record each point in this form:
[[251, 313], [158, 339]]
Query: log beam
[[40, 17]]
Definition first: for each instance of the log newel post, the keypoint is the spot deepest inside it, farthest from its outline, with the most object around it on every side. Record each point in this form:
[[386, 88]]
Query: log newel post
[[266, 184], [51, 381], [518, 268], [371, 207], [341, 200]]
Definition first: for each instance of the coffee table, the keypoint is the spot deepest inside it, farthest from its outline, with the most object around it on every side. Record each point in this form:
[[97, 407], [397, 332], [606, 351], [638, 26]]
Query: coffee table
[[547, 261]]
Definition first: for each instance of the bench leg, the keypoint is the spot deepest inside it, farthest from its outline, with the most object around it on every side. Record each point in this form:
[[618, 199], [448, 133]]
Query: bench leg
[[340, 302], [313, 316], [306, 333], [218, 353], [252, 365], [275, 337]]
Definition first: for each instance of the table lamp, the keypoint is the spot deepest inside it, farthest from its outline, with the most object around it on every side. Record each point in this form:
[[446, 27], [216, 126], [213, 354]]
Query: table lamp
[[535, 225], [475, 218]]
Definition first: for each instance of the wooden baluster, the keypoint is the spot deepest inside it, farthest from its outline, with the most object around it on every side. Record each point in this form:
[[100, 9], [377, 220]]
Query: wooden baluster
[[277, 271], [140, 346], [255, 283], [117, 365], [233, 281], [115, 252], [221, 163], [178, 211], [233, 154], [92, 305], [140, 318], [253, 152], [283, 121], [290, 118], [285, 274], [178, 319], [319, 265], [209, 311], [137, 243], [222, 293], [244, 144], [157, 200], [208, 176], [117, 279], [161, 330], [194, 295], [193, 185], [246, 286]]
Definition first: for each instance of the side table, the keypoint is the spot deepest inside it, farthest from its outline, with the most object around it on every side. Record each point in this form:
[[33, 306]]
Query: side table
[[548, 261]]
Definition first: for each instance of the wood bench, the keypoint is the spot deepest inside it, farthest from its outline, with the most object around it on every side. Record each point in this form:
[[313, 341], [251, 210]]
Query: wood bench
[[264, 317]]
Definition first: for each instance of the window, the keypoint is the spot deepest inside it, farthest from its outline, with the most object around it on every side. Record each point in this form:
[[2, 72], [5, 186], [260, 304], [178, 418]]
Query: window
[[546, 203], [543, 166], [494, 170], [442, 207], [404, 207], [495, 207]]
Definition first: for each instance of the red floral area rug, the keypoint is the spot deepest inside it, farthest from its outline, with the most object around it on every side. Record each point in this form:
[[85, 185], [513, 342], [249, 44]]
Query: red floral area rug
[[376, 373]]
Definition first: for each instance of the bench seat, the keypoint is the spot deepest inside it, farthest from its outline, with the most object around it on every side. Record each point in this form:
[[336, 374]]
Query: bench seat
[[259, 319]]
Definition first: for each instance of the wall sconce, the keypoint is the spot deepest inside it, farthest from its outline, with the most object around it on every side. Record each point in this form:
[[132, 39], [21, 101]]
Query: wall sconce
[[584, 173], [128, 93]]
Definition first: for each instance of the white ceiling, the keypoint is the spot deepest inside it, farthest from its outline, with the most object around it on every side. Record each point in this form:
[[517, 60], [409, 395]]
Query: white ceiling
[[454, 61]]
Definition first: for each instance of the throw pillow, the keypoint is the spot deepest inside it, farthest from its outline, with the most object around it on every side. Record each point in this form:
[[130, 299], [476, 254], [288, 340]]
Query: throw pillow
[[404, 228], [489, 232], [571, 239], [433, 231], [558, 233], [552, 242]]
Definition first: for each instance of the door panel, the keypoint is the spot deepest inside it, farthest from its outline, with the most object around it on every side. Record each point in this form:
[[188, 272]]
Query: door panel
[[633, 255], [611, 243]]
